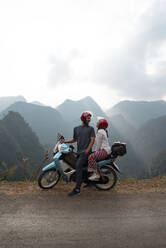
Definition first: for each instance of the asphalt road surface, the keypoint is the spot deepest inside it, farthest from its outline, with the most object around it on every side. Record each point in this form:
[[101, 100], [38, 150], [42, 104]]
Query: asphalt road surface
[[102, 220]]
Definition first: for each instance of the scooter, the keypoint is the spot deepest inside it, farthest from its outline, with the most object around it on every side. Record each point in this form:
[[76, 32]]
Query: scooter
[[64, 166]]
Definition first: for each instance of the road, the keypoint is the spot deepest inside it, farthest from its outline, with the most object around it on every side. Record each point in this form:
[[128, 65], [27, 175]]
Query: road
[[102, 220]]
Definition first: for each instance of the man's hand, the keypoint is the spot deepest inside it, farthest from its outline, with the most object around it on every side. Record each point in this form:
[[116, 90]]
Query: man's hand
[[86, 151], [92, 140], [68, 141]]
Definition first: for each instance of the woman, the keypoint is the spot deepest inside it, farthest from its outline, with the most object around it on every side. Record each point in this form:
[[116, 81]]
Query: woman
[[102, 148]]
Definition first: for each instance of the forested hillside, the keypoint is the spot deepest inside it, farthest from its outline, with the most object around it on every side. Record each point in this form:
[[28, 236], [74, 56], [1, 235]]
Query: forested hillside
[[158, 164], [150, 138], [17, 142]]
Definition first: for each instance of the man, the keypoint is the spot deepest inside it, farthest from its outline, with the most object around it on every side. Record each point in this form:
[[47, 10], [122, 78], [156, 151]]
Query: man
[[84, 135]]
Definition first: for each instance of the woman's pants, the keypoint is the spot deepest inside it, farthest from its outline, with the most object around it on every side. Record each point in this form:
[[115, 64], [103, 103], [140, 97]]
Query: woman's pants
[[93, 157]]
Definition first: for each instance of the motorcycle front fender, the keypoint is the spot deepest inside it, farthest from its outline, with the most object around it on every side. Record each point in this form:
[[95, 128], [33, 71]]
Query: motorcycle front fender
[[57, 156], [49, 166], [54, 164]]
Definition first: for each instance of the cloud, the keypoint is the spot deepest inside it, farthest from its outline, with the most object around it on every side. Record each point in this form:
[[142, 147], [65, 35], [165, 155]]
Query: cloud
[[60, 68], [139, 69], [59, 72]]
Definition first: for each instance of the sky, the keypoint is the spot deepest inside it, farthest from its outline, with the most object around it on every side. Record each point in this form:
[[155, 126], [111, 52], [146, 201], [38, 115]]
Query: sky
[[110, 50]]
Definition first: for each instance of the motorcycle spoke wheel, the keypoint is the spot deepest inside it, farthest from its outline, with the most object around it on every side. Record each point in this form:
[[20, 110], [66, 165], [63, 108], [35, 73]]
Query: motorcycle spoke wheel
[[48, 179], [110, 174]]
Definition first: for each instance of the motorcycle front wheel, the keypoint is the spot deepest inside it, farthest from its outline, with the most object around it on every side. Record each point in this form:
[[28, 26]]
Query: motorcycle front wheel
[[48, 179], [106, 172]]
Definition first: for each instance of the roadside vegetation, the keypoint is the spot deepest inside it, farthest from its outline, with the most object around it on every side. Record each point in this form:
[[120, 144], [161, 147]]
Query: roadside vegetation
[[5, 172]]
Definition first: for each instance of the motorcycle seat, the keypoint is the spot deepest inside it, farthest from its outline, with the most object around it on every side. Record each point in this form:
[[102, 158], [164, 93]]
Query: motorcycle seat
[[110, 156]]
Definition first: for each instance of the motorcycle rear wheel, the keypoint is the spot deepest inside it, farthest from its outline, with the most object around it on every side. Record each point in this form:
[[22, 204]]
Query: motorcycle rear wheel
[[48, 179], [110, 174]]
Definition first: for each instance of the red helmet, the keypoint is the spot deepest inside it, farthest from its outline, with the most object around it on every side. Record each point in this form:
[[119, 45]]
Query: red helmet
[[103, 124], [84, 115]]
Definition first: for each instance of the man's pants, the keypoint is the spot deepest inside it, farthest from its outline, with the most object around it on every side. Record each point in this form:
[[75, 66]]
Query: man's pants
[[82, 161]]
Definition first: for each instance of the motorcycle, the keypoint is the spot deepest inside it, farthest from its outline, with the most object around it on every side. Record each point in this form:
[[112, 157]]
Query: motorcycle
[[64, 166]]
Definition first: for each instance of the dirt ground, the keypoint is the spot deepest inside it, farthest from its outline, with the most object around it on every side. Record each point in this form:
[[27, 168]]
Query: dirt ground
[[130, 185]]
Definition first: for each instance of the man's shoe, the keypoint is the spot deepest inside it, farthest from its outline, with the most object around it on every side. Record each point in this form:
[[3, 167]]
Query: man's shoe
[[94, 177], [74, 192]]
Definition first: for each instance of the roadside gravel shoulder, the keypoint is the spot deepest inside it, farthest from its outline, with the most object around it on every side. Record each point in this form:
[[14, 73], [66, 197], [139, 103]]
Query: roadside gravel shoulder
[[130, 185]]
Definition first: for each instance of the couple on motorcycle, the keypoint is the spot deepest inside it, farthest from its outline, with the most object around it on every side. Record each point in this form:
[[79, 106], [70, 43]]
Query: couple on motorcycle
[[84, 135]]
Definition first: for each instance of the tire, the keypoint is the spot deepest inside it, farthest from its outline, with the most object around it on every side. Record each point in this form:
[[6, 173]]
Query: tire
[[48, 179], [107, 171]]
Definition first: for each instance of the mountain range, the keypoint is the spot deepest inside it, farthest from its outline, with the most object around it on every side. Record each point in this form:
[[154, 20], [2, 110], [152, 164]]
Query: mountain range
[[140, 124], [138, 112]]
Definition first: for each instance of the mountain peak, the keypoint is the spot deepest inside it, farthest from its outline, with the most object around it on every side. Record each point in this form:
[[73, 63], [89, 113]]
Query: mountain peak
[[85, 99], [88, 100], [72, 109], [7, 98], [6, 101], [37, 103]]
